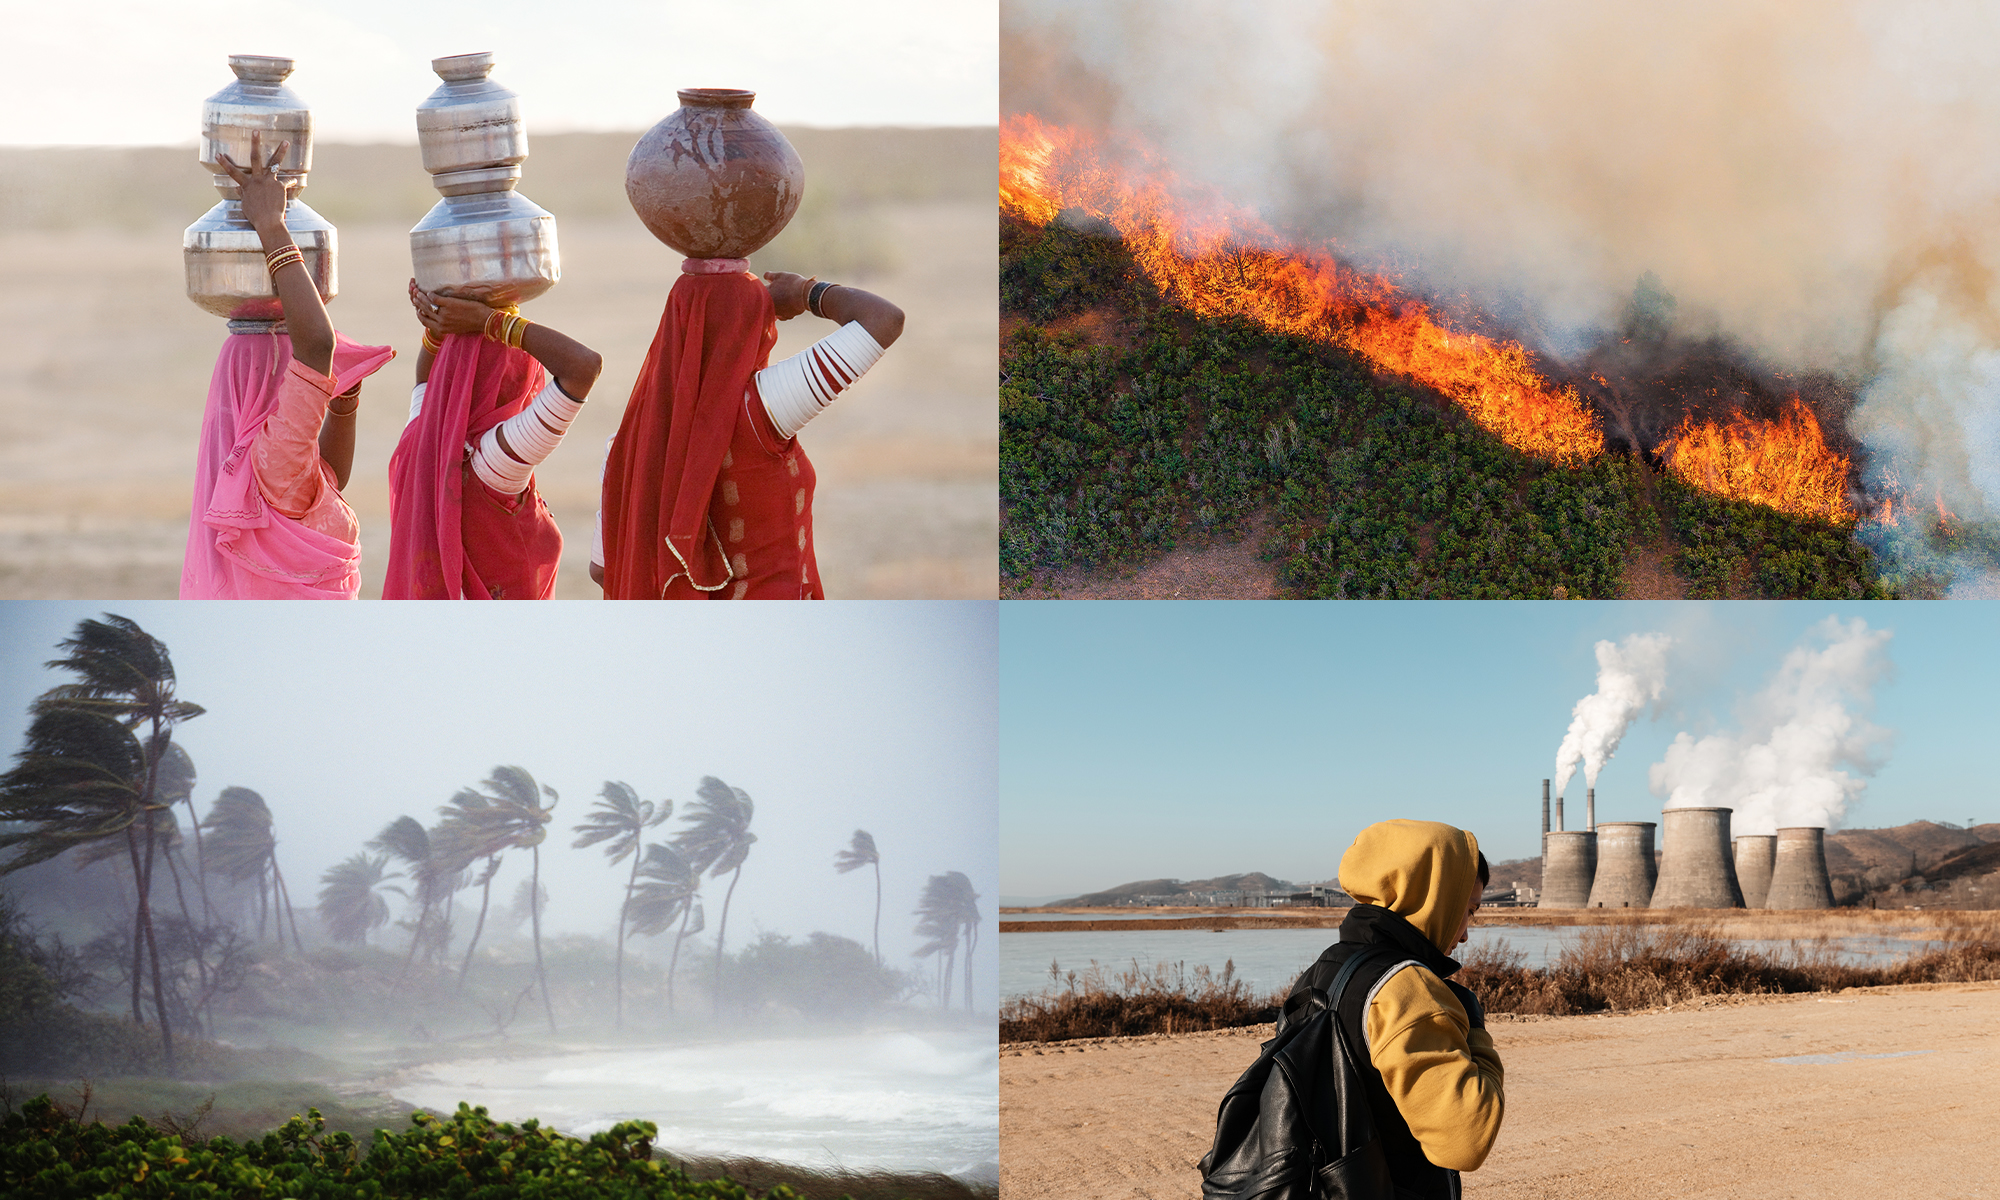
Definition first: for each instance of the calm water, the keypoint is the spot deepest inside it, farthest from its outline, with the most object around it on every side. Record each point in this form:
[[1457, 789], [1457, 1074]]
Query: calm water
[[1269, 959], [888, 1101]]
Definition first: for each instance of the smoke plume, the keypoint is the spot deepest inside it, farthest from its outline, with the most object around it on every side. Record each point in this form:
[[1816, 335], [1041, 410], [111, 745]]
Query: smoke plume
[[1805, 746], [1631, 675], [1807, 181]]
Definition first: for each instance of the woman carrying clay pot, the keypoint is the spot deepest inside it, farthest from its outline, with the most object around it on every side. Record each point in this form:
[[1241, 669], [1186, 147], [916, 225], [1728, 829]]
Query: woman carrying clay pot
[[277, 437], [495, 393], [707, 492]]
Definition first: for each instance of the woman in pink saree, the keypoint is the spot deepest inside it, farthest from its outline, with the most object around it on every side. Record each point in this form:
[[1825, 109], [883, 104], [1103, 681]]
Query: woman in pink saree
[[277, 438]]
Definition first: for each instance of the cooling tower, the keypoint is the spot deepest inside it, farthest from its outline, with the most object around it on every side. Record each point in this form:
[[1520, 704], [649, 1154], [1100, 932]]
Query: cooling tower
[[1567, 868], [1753, 867], [1695, 866], [1798, 878], [1625, 867]]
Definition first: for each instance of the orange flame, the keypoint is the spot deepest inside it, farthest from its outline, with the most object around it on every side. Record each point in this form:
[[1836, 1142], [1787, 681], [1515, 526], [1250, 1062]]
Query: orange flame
[[1217, 263], [1783, 464]]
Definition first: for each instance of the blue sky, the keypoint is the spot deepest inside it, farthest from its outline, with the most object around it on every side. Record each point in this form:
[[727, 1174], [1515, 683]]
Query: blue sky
[[1188, 740]]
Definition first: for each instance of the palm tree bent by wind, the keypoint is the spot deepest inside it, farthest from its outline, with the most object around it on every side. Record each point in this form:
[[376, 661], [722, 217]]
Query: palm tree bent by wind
[[860, 853], [620, 819], [508, 814], [716, 841], [85, 774]]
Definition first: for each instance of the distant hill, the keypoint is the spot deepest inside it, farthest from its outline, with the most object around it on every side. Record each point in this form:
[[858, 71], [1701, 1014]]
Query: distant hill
[[1175, 891]]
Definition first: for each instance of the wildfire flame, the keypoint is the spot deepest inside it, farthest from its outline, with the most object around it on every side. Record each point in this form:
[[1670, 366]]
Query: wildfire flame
[[1220, 264], [1783, 464], [1218, 260]]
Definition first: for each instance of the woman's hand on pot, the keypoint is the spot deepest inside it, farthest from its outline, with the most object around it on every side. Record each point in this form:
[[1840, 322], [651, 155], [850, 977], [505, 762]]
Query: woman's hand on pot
[[264, 194], [443, 313], [788, 292]]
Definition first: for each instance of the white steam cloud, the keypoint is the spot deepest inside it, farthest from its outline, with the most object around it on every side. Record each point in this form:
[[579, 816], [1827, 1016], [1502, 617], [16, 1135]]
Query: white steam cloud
[[1631, 676], [1805, 745], [1811, 179]]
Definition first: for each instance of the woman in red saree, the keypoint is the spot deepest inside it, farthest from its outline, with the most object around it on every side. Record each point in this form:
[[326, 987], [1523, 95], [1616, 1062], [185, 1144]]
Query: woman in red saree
[[495, 393], [707, 493], [277, 438]]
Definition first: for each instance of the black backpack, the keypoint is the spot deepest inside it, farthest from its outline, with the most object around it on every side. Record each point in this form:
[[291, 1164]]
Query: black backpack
[[1296, 1125]]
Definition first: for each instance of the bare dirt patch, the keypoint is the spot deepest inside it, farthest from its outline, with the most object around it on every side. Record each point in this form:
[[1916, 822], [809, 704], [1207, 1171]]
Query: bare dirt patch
[[1877, 1091]]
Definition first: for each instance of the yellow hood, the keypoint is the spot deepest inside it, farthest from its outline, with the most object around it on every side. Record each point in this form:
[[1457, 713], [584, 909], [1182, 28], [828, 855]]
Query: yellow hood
[[1424, 871]]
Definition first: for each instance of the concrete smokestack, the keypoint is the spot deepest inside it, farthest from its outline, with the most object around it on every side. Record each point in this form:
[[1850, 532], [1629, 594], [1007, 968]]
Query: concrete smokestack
[[1626, 870], [1559, 815], [1568, 868], [1754, 854], [1545, 806], [1695, 866], [1590, 808], [1798, 878]]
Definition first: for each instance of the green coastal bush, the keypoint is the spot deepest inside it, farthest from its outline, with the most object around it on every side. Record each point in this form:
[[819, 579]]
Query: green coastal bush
[[47, 1154]]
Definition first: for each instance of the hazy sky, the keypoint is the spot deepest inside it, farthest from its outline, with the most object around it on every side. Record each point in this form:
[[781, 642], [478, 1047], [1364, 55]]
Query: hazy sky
[[832, 717], [135, 72], [1157, 740]]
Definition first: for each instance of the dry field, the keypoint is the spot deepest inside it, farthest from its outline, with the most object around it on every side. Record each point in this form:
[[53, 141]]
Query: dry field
[[1867, 1092], [1914, 924], [111, 362]]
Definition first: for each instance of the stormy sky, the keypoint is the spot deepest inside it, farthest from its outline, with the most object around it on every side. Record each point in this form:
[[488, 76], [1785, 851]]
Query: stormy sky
[[832, 717]]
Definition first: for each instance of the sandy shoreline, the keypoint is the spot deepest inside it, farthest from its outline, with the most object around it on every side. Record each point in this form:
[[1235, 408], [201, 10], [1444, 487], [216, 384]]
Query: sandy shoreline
[[1893, 1098]]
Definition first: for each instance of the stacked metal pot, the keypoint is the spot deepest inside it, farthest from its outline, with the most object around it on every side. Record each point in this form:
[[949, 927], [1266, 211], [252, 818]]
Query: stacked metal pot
[[222, 255], [483, 239]]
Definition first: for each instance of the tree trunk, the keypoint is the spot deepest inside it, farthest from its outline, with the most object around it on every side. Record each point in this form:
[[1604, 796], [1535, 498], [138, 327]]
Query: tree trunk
[[194, 937], [145, 902], [485, 898], [200, 864], [535, 912], [286, 895], [687, 914], [722, 931], [970, 936], [138, 926], [623, 909], [878, 912]]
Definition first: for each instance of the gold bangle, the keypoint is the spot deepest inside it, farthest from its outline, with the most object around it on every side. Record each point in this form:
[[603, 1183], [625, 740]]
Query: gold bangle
[[274, 263], [518, 332], [344, 412], [431, 342], [493, 332]]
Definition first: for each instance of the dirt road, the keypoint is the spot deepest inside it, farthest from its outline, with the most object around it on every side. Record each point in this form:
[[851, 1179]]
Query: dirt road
[[1869, 1092]]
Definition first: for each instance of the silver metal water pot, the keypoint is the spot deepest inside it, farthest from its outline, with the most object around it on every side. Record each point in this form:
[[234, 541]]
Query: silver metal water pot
[[221, 253], [483, 239]]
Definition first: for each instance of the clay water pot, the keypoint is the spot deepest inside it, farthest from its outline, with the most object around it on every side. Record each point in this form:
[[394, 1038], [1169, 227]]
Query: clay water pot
[[715, 180]]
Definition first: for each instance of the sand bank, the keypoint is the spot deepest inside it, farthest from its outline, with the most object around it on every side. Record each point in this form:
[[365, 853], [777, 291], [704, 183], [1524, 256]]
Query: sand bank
[[1875, 1091]]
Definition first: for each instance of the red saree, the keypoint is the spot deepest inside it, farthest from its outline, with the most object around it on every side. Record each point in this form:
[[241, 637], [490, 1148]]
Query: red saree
[[451, 537], [702, 499]]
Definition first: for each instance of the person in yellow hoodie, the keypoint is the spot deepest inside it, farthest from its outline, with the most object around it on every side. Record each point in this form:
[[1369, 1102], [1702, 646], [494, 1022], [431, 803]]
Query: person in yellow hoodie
[[1433, 1079]]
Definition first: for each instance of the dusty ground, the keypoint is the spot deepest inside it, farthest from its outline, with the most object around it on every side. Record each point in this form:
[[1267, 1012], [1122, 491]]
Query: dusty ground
[[110, 364], [1892, 1097], [1769, 924]]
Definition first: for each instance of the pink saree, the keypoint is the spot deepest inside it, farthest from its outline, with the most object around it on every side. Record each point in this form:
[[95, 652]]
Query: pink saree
[[239, 547]]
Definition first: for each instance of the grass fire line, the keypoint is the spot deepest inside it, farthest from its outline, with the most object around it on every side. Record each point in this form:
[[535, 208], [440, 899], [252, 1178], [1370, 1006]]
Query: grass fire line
[[1227, 262]]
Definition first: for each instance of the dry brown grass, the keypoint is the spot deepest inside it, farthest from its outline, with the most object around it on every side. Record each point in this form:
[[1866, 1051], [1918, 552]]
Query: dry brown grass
[[1641, 961], [1623, 967], [1169, 998]]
